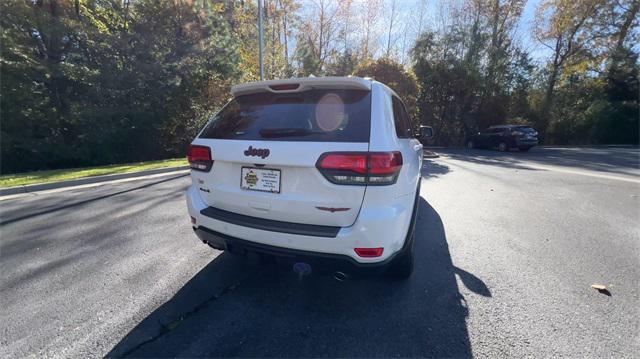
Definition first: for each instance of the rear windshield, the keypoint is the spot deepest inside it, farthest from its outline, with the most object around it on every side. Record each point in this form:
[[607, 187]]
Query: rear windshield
[[315, 115], [525, 129]]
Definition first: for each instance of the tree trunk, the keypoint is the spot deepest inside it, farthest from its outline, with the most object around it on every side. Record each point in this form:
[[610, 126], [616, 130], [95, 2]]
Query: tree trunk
[[493, 49], [547, 102], [630, 16], [286, 38], [628, 21], [321, 35], [393, 10]]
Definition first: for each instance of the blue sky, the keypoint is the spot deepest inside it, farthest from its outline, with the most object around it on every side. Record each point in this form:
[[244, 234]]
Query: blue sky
[[408, 9], [408, 14]]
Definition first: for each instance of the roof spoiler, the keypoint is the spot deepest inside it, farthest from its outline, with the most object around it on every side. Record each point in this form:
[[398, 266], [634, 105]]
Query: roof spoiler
[[302, 84]]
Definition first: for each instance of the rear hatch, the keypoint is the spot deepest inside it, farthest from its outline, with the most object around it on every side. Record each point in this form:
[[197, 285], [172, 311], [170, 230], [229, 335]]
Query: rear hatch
[[265, 146]]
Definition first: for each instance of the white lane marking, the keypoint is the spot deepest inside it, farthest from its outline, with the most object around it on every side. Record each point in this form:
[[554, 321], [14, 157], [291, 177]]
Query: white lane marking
[[595, 174], [89, 185], [585, 173]]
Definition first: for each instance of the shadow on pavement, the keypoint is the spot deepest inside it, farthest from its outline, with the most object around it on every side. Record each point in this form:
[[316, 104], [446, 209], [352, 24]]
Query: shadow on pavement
[[433, 169], [233, 308], [7, 217], [620, 160]]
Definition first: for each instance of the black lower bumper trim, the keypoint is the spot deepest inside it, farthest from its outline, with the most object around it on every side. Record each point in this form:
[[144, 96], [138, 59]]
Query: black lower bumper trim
[[316, 259], [271, 225]]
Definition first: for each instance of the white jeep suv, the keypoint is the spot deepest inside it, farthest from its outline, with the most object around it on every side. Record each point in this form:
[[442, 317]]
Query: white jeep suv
[[321, 170]]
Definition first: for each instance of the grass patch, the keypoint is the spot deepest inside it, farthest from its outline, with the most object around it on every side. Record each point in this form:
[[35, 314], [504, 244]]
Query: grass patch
[[25, 178]]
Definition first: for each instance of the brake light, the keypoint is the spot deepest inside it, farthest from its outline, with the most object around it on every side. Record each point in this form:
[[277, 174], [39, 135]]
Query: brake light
[[284, 87], [360, 168], [199, 158], [369, 252]]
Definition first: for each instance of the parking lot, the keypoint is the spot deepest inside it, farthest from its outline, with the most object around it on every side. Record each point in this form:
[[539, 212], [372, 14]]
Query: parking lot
[[507, 247]]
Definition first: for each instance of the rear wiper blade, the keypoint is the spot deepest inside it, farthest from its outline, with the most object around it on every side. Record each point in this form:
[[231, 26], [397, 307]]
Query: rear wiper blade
[[287, 132]]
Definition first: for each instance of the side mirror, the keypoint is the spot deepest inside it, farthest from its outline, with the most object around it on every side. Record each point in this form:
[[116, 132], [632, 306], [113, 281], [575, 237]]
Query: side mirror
[[426, 132]]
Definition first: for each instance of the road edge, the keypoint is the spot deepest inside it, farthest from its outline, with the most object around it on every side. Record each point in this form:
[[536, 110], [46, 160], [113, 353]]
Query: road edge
[[86, 180]]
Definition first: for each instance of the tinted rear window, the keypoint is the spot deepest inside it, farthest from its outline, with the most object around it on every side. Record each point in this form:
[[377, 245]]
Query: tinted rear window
[[315, 115], [525, 129]]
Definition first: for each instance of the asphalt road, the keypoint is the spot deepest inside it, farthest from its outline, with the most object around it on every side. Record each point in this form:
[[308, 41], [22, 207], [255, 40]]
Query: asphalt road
[[507, 248]]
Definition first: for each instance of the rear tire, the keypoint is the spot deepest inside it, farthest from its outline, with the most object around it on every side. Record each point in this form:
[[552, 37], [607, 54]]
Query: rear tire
[[503, 147], [402, 266], [524, 149]]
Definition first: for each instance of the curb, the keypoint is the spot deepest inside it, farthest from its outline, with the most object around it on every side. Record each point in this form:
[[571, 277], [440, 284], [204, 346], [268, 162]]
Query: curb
[[87, 180]]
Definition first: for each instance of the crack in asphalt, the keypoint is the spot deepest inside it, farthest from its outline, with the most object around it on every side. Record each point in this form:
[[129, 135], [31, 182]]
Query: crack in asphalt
[[174, 324]]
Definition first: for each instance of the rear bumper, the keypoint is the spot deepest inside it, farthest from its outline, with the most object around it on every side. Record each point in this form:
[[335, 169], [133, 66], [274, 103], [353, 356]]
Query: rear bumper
[[320, 262], [383, 225]]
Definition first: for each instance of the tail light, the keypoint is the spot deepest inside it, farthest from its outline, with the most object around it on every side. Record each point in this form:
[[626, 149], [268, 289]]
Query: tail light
[[360, 168], [199, 158], [284, 87], [369, 252]]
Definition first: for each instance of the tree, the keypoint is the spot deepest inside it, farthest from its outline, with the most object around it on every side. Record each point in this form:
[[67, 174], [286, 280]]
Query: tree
[[343, 64], [89, 82], [448, 90], [102, 83], [370, 11], [41, 84], [520, 82], [345, 18], [622, 67], [288, 7], [307, 55], [392, 17], [628, 19], [563, 27], [394, 75], [502, 15]]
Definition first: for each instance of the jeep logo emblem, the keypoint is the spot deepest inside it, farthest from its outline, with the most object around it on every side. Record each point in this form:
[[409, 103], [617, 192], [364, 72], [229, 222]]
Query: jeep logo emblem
[[258, 152]]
